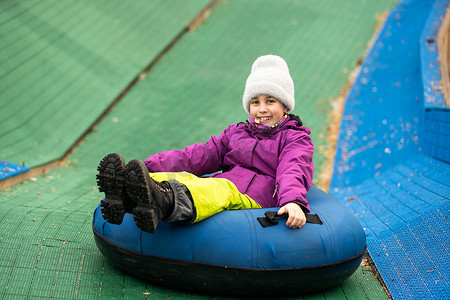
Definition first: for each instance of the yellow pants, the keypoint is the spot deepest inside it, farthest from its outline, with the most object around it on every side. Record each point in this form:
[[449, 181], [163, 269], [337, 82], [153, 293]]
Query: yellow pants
[[210, 195]]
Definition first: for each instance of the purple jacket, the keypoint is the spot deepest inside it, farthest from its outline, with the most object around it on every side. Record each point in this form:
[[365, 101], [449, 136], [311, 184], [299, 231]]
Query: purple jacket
[[272, 167]]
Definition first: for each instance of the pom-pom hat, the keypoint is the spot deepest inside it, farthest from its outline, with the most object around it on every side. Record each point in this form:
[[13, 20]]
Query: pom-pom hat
[[269, 76]]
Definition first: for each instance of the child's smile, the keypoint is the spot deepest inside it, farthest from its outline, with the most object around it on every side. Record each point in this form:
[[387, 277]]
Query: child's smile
[[264, 118]]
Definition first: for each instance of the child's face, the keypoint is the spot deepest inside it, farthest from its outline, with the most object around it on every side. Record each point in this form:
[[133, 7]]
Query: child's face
[[267, 109]]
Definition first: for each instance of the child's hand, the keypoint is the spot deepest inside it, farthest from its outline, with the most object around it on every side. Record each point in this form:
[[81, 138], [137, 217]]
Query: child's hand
[[296, 215]]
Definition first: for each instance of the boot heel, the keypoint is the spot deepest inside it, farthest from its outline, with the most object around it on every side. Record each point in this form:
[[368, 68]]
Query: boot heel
[[145, 219], [112, 211]]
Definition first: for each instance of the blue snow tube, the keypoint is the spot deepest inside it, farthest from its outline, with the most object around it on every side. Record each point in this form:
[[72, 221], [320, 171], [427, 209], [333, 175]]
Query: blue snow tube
[[232, 254]]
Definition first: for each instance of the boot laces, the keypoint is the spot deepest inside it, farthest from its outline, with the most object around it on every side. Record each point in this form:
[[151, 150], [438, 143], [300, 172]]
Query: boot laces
[[163, 189]]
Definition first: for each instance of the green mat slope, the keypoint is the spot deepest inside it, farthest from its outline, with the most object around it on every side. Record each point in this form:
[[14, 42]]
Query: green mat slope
[[194, 91], [63, 62]]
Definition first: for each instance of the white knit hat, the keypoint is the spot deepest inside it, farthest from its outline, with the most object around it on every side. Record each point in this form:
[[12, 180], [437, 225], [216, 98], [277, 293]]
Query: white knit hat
[[269, 76]]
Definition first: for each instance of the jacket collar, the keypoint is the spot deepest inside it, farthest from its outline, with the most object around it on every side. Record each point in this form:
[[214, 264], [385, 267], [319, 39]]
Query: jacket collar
[[293, 122]]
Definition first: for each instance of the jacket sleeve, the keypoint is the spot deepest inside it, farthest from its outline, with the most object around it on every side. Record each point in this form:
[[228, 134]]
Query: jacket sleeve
[[198, 159], [295, 169]]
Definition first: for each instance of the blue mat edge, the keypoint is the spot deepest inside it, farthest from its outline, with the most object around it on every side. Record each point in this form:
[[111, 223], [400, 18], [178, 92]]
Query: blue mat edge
[[431, 71], [429, 32], [9, 169]]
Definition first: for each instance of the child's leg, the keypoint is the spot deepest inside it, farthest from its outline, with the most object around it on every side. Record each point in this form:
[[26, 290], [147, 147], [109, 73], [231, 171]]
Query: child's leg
[[209, 195], [154, 200]]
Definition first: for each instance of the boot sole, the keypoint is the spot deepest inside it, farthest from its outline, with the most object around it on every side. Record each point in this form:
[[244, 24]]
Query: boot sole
[[145, 219], [138, 188], [111, 180]]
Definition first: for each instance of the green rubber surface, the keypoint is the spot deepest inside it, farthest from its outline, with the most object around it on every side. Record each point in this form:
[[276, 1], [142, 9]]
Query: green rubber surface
[[47, 249], [63, 62], [196, 90]]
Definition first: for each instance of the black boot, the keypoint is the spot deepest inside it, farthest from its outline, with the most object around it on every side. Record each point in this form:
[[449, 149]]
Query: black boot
[[155, 200], [111, 181]]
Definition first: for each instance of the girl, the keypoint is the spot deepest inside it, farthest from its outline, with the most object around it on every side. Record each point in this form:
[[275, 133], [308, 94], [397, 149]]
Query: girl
[[264, 162]]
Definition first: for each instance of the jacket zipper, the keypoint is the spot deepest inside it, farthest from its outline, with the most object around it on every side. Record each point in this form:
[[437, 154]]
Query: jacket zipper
[[276, 190]]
